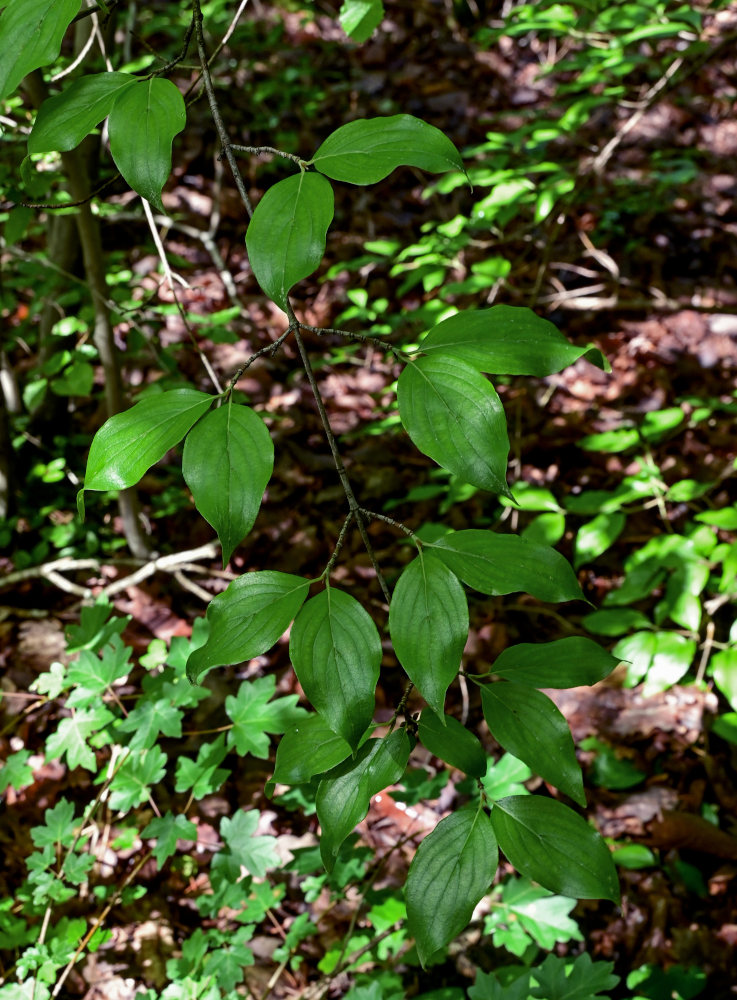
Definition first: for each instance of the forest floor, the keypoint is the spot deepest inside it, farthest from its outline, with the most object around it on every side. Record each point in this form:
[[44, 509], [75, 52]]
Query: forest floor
[[663, 309]]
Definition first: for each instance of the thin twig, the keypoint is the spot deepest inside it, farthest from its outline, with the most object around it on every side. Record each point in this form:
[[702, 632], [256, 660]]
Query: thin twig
[[270, 149]]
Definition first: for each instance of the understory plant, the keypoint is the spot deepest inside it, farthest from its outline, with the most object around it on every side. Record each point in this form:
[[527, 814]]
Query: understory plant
[[335, 755]]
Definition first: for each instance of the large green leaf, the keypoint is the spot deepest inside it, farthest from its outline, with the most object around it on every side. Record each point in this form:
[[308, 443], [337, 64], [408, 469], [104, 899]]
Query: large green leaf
[[131, 442], [247, 619], [563, 663], [449, 740], [30, 36], [504, 564], [527, 724], [367, 150], [359, 18], [336, 654], [64, 120], [450, 872], [310, 747], [286, 236], [344, 794], [428, 624], [507, 340], [551, 844], [454, 415], [142, 125], [227, 461]]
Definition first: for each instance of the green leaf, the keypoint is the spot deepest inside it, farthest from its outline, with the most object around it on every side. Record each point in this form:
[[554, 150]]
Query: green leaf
[[167, 830], [563, 663], [31, 32], [616, 621], [244, 850], [428, 624], [254, 715], [541, 915], [132, 784], [503, 564], [454, 415], [507, 340], [452, 743], [203, 776], [450, 872], [344, 794], [336, 653], [308, 748], [367, 150], [98, 673], [584, 980], [16, 772], [660, 659], [359, 18], [71, 735], [505, 777], [227, 461], [59, 826], [596, 537], [64, 120], [148, 720], [247, 619], [527, 724], [142, 125], [488, 987], [286, 236], [130, 443], [723, 668], [552, 845]]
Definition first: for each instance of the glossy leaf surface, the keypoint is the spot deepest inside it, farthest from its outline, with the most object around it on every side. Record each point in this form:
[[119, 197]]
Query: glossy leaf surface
[[507, 340], [286, 236], [359, 18], [452, 743], [450, 872], [247, 619], [551, 844], [227, 461], [336, 653], [454, 415], [428, 624], [563, 663], [344, 794], [367, 150], [527, 724], [310, 747], [131, 442], [31, 32], [504, 564], [142, 125], [64, 120]]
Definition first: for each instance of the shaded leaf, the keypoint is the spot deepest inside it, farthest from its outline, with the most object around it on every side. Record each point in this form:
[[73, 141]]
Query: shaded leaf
[[428, 624], [562, 663], [552, 845], [286, 236], [254, 715], [452, 743], [244, 850], [31, 32], [310, 747], [167, 830], [450, 872], [64, 120], [454, 415]]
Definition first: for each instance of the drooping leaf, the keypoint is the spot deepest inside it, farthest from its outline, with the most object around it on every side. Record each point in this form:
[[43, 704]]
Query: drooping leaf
[[344, 794], [507, 340], [428, 624], [454, 415], [528, 724], [247, 619], [286, 236], [254, 714], [310, 747], [336, 653], [562, 663], [551, 844], [31, 32], [450, 872], [452, 743], [130, 443], [504, 564], [359, 18], [64, 120], [227, 461], [366, 151], [143, 122]]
